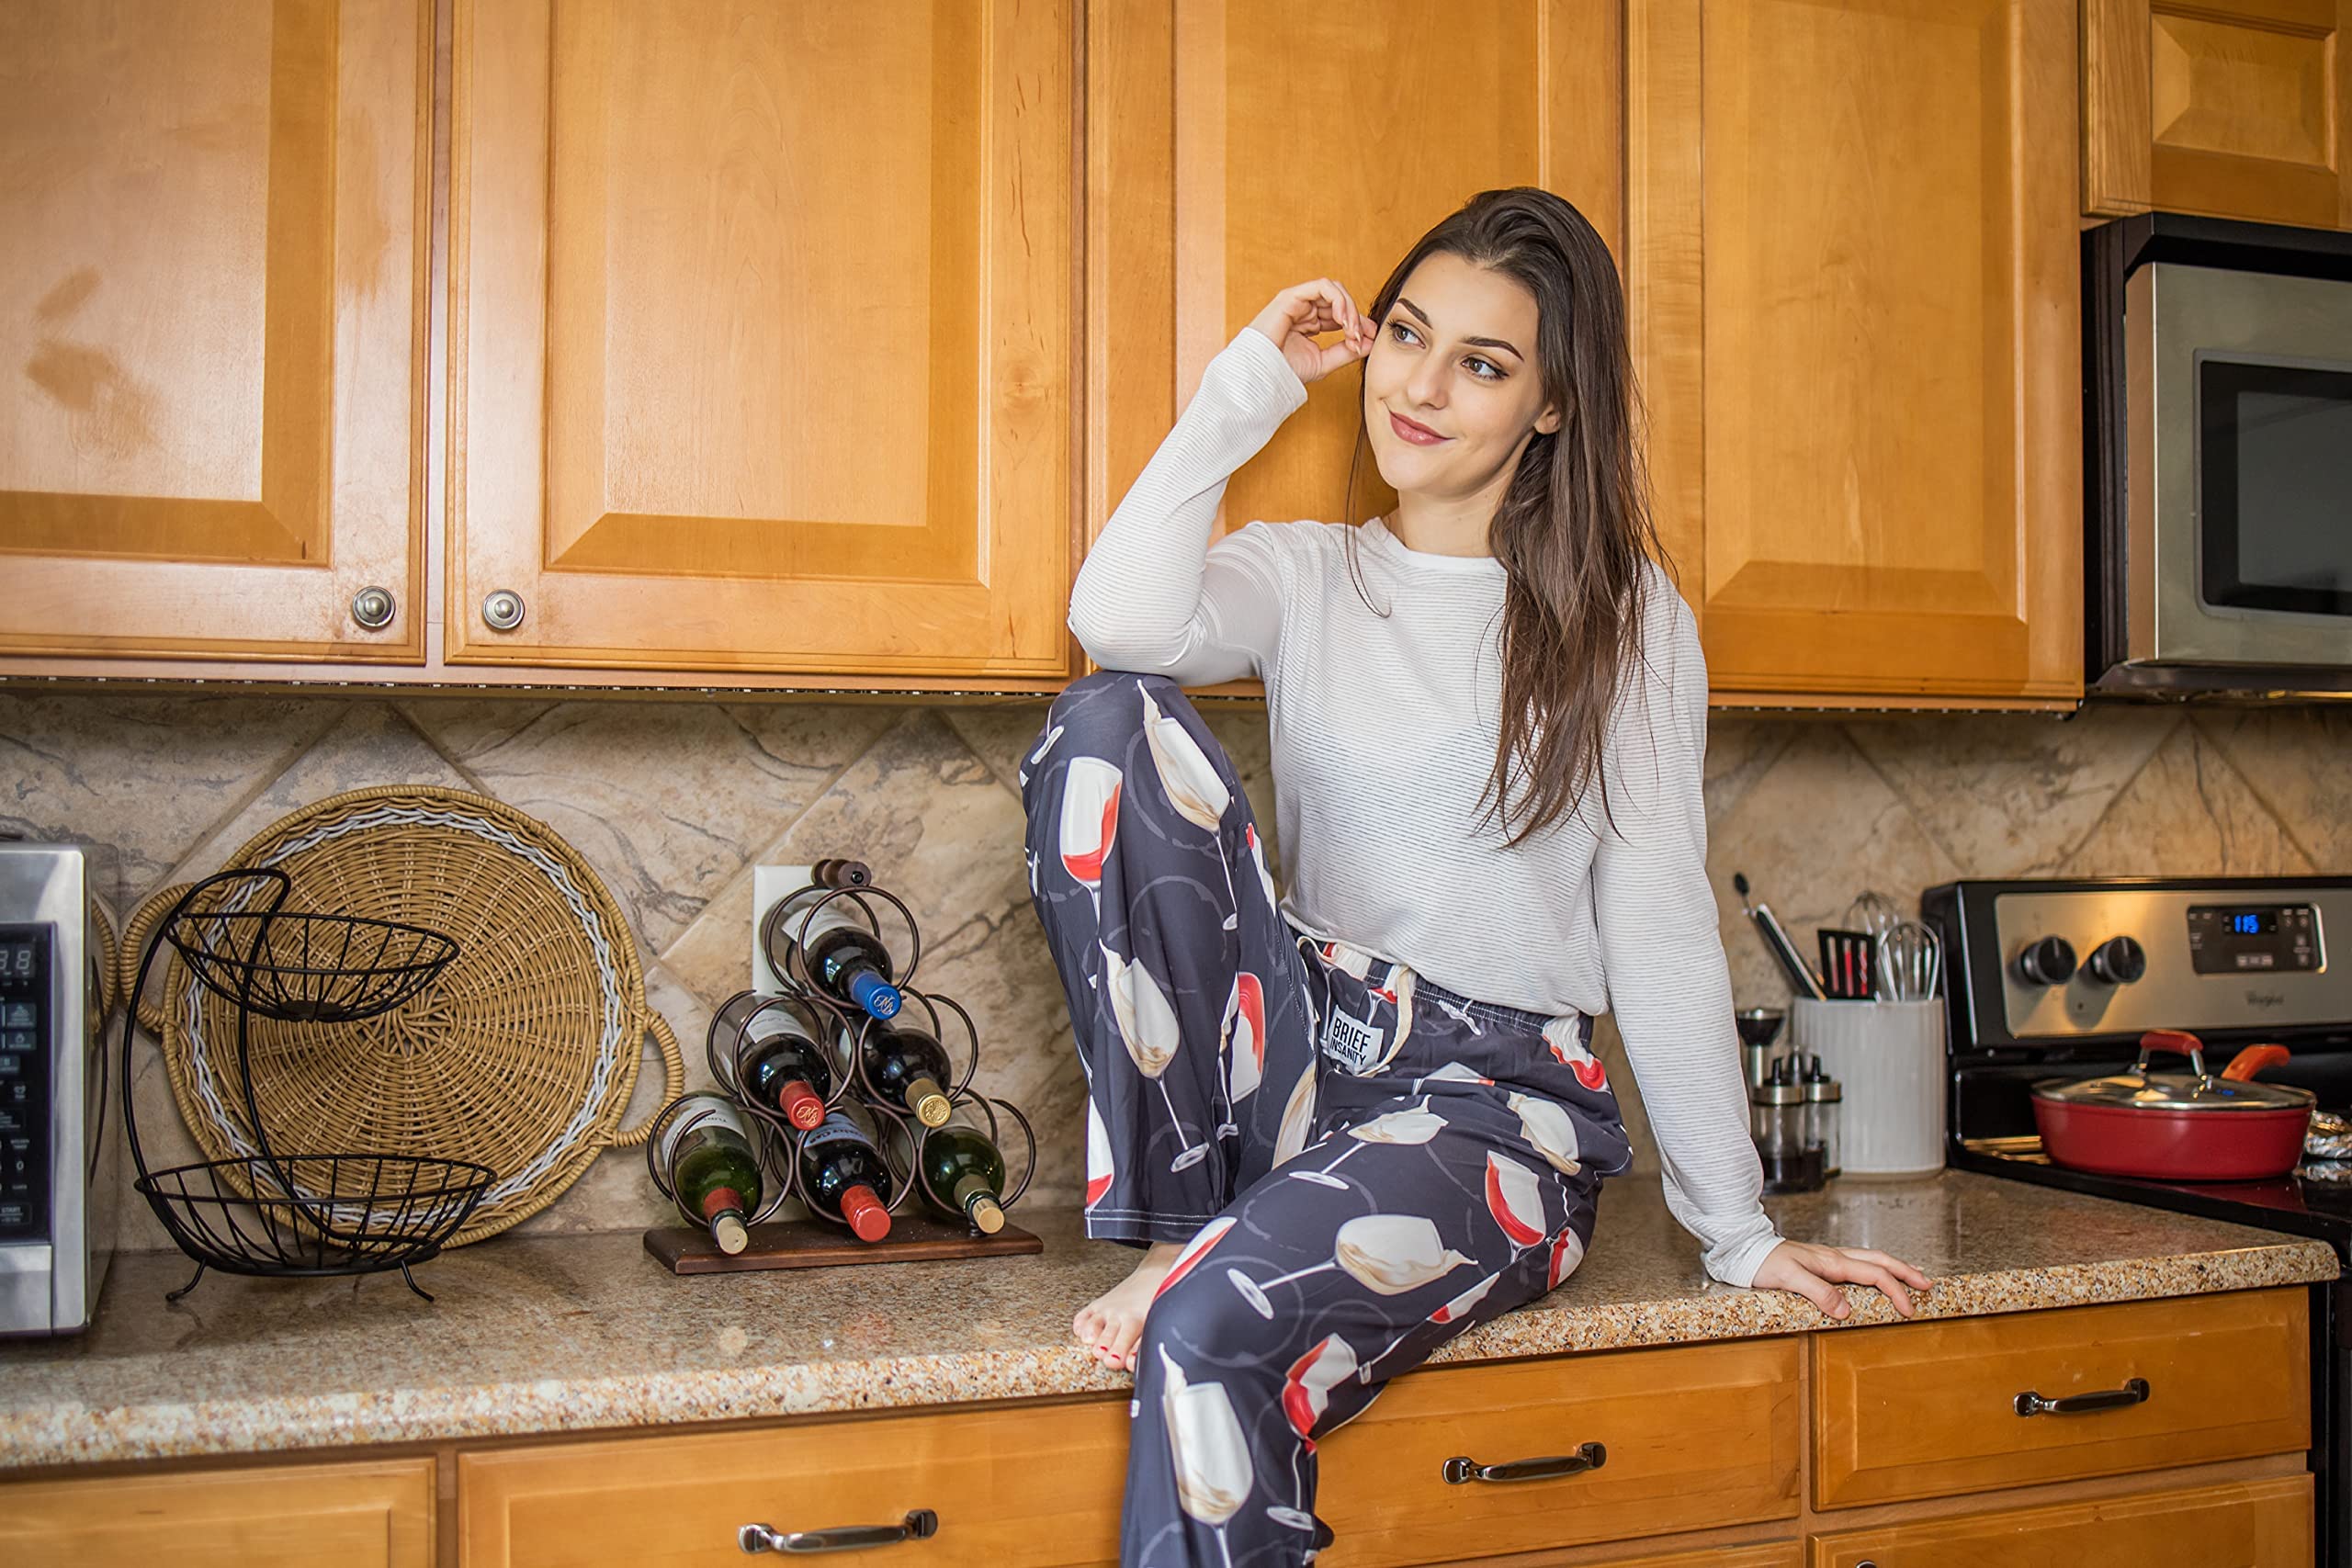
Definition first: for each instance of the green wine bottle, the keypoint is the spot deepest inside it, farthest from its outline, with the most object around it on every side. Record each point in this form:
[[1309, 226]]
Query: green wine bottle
[[964, 1176], [713, 1169]]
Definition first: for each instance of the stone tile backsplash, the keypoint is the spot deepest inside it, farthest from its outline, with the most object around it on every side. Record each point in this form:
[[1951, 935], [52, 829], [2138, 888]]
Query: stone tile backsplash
[[672, 802]]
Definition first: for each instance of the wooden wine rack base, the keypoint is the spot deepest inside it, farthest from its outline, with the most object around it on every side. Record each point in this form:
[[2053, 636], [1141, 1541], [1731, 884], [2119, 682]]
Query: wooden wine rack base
[[808, 1244]]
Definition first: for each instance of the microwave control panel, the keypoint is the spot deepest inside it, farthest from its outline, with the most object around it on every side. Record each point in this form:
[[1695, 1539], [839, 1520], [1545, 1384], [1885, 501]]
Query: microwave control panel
[[27, 957]]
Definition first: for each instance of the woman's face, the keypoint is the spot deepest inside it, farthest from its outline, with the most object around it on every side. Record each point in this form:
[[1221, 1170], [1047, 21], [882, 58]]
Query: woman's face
[[1457, 356]]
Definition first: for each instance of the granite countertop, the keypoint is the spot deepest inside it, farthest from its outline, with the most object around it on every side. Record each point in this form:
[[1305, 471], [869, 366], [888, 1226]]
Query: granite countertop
[[578, 1333]]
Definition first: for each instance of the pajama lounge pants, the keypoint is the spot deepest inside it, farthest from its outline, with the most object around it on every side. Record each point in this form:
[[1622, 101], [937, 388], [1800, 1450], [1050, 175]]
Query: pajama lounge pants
[[1360, 1164]]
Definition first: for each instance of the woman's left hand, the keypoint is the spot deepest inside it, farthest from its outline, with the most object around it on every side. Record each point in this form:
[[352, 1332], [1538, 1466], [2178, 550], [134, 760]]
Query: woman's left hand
[[1809, 1269]]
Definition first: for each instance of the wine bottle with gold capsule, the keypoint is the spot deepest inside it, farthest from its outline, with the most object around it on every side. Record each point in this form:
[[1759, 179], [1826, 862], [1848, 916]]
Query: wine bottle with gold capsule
[[908, 1069]]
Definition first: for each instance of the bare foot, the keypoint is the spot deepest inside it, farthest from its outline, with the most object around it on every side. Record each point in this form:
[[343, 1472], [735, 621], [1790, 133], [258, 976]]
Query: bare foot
[[1111, 1324]]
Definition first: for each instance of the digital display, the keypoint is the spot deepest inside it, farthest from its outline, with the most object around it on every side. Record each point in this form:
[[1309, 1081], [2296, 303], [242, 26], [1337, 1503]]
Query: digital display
[[2238, 939], [15, 961]]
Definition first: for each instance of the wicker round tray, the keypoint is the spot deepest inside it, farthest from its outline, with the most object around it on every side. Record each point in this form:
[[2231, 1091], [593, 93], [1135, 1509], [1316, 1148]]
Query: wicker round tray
[[521, 1057]]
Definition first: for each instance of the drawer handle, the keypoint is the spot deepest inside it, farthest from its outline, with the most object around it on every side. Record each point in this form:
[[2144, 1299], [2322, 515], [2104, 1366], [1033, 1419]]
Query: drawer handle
[[2132, 1393], [1461, 1469], [919, 1525]]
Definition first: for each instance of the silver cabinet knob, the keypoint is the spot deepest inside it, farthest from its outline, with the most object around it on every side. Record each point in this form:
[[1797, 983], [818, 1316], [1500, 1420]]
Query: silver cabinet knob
[[502, 610], [374, 608]]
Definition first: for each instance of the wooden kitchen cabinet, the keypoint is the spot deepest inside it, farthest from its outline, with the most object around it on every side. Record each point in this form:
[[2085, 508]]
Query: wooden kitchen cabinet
[[1021, 1486], [353, 1514], [1927, 1410], [212, 263], [1852, 251], [1690, 1439], [762, 325], [1698, 1469], [2244, 1524], [1234, 150], [2234, 108]]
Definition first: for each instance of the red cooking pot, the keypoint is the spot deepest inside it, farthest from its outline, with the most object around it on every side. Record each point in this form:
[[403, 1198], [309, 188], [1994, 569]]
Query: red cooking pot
[[2176, 1126]]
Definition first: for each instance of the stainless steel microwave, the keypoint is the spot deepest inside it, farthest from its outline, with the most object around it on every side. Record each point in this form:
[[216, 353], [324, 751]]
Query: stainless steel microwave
[[59, 1176], [2218, 374]]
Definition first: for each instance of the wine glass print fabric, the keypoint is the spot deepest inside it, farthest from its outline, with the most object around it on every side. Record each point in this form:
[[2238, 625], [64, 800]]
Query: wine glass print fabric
[[1360, 1164]]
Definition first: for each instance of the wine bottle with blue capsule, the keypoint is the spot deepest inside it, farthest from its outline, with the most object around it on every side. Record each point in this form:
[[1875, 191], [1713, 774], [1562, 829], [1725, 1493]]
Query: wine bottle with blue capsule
[[843, 958]]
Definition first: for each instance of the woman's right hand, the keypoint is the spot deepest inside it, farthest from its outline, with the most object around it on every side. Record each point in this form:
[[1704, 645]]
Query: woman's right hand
[[1295, 316]]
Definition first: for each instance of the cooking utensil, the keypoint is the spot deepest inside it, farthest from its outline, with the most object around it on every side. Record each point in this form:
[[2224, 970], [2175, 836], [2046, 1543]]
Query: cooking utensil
[[1873, 913], [1777, 940], [1910, 963], [1848, 964], [2175, 1126]]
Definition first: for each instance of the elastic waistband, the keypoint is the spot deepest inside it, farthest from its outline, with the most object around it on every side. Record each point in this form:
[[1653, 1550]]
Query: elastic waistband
[[1379, 974]]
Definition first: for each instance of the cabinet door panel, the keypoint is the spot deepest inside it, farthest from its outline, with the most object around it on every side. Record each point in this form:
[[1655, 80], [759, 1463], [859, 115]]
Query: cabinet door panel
[[211, 261], [1853, 242], [361, 1514], [1308, 142], [1926, 1410], [2242, 1524], [2239, 109], [763, 320]]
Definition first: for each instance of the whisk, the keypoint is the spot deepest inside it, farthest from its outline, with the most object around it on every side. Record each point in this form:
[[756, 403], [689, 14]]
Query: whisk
[[1910, 963]]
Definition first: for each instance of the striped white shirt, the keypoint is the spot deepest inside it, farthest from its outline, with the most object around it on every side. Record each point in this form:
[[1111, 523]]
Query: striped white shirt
[[1384, 730]]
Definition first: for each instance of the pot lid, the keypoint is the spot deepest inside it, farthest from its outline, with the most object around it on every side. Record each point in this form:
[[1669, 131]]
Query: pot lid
[[2196, 1090]]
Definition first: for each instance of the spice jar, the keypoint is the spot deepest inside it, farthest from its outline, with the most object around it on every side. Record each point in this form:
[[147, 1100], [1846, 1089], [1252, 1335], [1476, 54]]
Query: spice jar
[[1778, 1118], [1823, 1095]]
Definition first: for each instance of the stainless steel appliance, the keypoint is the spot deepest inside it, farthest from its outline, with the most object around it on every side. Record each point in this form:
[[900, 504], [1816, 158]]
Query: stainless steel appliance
[[57, 1188], [2217, 376], [2058, 980]]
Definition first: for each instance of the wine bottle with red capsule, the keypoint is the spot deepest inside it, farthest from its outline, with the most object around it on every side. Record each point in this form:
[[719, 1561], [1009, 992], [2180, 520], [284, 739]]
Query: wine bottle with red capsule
[[783, 1066], [841, 1170]]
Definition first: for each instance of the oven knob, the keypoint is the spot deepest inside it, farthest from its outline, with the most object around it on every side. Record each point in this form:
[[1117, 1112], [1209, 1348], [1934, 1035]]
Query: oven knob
[[2049, 962], [2117, 961]]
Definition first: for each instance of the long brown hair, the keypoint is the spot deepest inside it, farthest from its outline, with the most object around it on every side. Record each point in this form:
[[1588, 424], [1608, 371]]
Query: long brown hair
[[1573, 529]]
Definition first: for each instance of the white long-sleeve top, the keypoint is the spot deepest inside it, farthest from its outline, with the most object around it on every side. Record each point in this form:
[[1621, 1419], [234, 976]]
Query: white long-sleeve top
[[1384, 731]]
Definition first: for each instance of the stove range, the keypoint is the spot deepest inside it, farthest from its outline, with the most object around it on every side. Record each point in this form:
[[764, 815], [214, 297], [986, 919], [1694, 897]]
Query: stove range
[[2060, 979]]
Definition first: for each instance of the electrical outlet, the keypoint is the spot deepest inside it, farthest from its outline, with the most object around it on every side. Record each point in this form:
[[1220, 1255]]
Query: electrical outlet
[[771, 885]]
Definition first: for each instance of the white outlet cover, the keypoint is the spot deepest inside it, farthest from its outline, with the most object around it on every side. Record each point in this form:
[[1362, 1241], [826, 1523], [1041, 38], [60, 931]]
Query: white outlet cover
[[771, 885]]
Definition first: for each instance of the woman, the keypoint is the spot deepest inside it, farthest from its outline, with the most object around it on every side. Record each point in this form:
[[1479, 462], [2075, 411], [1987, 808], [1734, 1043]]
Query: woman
[[1348, 1128]]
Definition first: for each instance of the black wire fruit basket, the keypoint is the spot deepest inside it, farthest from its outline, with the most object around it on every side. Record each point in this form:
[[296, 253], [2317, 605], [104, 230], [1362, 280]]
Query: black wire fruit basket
[[277, 1215]]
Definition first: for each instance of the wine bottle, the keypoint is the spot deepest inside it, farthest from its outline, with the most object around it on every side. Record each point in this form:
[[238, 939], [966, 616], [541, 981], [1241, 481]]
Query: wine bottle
[[908, 1069], [842, 958], [964, 1176], [713, 1169], [783, 1066], [842, 1169]]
